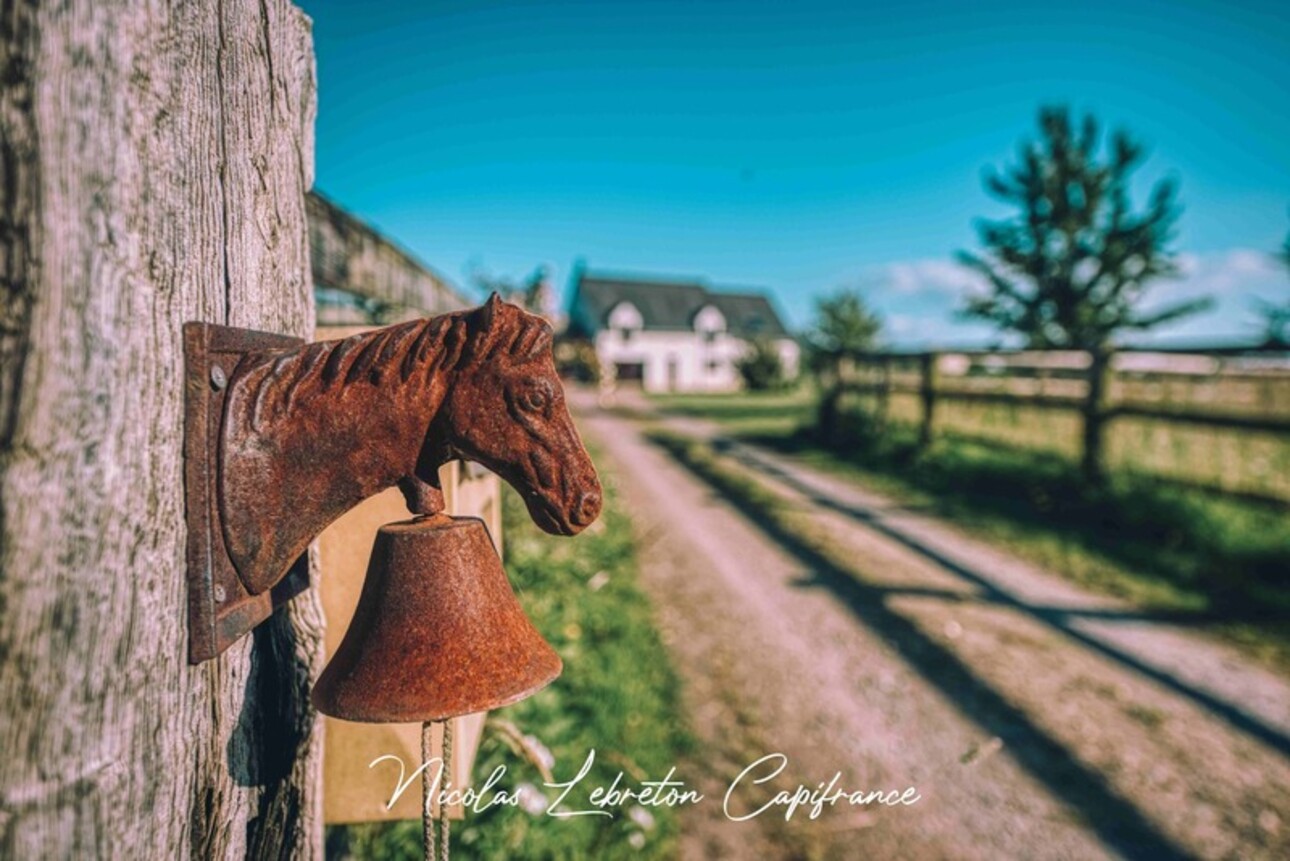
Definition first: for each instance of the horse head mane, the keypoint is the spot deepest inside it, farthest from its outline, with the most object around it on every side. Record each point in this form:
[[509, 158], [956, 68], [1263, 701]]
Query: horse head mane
[[502, 330], [457, 341]]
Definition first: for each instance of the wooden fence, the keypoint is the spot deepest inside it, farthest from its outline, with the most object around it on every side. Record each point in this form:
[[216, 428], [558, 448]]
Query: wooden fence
[[362, 277], [1219, 421]]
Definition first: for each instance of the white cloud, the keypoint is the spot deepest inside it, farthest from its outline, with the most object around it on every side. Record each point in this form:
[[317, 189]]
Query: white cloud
[[901, 325], [922, 277], [1222, 273], [918, 297], [912, 331], [1233, 278]]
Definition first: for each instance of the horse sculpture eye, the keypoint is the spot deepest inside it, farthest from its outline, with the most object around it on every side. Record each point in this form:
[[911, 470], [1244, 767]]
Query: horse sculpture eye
[[535, 400]]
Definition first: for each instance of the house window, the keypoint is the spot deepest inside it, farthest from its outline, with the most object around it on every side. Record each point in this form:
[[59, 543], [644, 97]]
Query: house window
[[713, 365], [710, 336], [627, 335]]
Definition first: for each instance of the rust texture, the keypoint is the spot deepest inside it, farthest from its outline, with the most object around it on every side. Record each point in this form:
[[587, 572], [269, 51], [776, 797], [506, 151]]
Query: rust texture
[[220, 608], [308, 431], [437, 633]]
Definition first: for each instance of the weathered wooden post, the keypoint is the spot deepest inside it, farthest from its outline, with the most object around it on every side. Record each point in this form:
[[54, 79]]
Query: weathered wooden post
[[154, 159], [1096, 413], [883, 407], [929, 380], [833, 381]]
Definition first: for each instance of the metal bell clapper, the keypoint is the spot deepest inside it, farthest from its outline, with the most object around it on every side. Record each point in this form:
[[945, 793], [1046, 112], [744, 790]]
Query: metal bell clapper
[[438, 632]]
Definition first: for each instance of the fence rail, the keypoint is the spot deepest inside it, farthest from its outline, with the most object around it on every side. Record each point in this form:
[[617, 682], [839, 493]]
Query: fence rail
[[1203, 392], [1208, 418]]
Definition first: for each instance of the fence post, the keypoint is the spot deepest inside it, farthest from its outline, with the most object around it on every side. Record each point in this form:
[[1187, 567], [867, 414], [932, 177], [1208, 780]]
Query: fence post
[[122, 216], [827, 414], [1096, 412], [930, 380], [882, 408]]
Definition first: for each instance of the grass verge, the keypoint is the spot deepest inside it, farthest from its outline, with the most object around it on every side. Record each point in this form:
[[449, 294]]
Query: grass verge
[[771, 413], [618, 695]]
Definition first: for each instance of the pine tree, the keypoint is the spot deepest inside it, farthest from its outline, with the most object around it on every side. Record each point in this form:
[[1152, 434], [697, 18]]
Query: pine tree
[[1070, 269], [844, 326], [845, 329]]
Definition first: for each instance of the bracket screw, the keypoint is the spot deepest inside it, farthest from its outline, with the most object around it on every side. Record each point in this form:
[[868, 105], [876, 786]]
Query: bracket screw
[[220, 594], [218, 379]]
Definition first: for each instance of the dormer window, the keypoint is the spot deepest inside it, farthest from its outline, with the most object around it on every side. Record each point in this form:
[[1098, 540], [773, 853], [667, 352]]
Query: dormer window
[[625, 318], [709, 321]]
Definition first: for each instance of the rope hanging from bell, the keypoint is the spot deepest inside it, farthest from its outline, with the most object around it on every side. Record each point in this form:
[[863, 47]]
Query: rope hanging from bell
[[428, 820]]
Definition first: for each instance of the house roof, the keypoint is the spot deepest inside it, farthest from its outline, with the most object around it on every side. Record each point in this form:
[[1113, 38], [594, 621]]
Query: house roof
[[749, 314], [671, 305]]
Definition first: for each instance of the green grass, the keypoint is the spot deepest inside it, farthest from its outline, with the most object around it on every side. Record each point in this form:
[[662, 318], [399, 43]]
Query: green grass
[[1212, 561], [618, 695], [747, 412]]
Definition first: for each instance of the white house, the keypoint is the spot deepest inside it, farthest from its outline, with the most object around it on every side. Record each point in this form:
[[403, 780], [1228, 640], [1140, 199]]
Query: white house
[[673, 335]]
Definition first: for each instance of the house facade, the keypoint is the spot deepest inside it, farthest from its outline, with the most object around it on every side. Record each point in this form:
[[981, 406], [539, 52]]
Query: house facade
[[673, 336]]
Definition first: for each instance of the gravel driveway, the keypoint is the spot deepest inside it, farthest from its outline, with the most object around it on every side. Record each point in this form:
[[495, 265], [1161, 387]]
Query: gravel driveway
[[1035, 721]]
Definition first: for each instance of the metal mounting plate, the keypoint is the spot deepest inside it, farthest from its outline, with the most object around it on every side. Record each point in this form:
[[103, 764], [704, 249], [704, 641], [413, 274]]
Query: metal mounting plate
[[220, 610]]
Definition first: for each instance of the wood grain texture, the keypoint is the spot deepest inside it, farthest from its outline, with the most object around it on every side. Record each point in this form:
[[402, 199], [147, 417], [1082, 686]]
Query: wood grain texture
[[154, 160]]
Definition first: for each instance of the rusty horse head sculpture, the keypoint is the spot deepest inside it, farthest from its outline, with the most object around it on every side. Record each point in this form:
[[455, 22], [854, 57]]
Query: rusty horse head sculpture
[[315, 430]]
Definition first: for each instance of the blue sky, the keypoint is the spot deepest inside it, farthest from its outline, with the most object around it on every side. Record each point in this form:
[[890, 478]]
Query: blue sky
[[794, 146]]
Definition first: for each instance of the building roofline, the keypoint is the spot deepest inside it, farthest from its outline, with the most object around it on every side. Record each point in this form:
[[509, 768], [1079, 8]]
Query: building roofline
[[631, 278], [676, 281], [738, 306]]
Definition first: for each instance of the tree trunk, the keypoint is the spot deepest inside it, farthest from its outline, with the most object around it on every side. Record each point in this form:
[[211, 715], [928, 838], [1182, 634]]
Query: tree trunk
[[1096, 403], [826, 420], [929, 385], [154, 158]]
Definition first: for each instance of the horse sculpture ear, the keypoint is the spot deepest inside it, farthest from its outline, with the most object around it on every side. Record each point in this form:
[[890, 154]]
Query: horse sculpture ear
[[482, 323], [488, 314]]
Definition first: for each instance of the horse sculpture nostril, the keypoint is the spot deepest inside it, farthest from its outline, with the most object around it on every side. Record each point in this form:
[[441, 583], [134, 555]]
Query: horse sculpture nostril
[[588, 508]]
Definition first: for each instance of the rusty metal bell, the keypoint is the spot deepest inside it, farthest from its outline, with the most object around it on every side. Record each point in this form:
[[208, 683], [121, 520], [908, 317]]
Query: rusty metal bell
[[438, 631]]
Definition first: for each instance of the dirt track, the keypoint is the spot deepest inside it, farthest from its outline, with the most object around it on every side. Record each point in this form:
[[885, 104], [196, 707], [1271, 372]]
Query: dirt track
[[1035, 721]]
